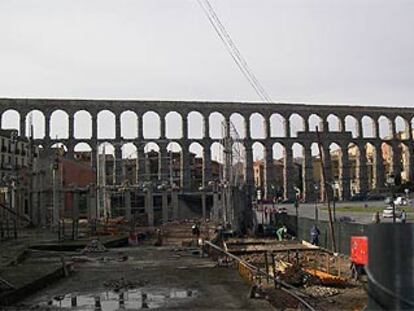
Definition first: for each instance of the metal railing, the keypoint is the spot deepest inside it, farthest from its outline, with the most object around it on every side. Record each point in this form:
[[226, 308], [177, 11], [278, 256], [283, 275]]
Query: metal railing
[[249, 271]]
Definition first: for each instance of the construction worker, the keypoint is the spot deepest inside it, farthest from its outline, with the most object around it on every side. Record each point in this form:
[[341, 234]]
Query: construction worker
[[403, 217], [281, 233], [314, 235], [195, 229], [376, 218]]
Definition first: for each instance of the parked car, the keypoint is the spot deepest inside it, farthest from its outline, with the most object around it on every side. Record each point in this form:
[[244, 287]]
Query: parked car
[[282, 210], [345, 219], [400, 201], [387, 212], [360, 196], [375, 197]]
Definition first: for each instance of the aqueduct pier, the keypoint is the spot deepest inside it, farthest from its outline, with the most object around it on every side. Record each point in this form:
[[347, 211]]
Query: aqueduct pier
[[290, 127]]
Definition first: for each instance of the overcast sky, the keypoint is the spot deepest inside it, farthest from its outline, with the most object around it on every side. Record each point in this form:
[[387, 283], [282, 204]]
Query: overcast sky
[[327, 51]]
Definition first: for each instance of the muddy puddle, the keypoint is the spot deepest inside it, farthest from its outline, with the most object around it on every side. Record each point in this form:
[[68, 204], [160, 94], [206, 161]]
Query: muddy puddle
[[131, 299]]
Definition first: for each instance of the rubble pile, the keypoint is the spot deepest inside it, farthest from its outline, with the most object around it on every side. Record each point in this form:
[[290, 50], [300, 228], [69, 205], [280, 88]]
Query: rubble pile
[[94, 246], [321, 291], [255, 259]]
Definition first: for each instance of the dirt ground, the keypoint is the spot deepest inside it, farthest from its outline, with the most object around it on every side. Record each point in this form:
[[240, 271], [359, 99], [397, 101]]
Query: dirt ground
[[166, 278]]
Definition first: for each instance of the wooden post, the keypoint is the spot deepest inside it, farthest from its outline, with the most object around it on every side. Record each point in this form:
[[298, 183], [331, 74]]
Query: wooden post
[[267, 267], [327, 190], [274, 269]]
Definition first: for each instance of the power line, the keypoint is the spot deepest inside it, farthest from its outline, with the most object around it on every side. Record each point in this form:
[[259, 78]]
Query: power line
[[232, 49], [237, 51]]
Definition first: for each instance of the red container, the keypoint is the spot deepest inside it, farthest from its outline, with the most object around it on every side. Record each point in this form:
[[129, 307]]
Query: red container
[[359, 250]]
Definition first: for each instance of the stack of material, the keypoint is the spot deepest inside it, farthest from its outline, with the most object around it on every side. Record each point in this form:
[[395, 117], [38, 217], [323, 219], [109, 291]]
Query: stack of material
[[293, 274], [321, 291], [94, 246], [326, 278], [255, 259]]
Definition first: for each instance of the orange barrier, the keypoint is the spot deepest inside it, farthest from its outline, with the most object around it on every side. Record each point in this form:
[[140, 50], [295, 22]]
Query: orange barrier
[[245, 272]]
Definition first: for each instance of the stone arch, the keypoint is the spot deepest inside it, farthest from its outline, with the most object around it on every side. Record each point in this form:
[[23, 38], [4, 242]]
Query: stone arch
[[259, 166], [239, 163], [297, 124], [368, 127], [314, 121], [173, 125], [217, 152], [279, 170], [238, 123], [299, 170], [336, 172], [129, 124], [106, 124], [196, 125], [385, 128], [257, 126], [59, 148], [83, 153], [402, 128], [129, 163], [354, 168], [405, 160], [106, 166], [371, 155], [59, 125], [197, 166], [277, 125], [152, 161], [10, 120], [412, 127], [35, 124], [175, 164], [82, 125], [352, 125], [334, 123], [216, 125], [387, 155], [151, 123], [217, 160], [317, 169]]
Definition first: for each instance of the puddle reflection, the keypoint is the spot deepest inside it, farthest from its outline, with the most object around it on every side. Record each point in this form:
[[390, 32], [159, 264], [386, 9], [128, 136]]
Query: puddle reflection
[[132, 299]]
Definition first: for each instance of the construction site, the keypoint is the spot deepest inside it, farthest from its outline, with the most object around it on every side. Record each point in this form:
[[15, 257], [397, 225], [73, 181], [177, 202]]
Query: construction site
[[209, 194], [147, 246]]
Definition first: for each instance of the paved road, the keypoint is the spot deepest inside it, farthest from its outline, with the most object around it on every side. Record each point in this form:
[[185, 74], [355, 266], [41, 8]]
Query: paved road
[[307, 210]]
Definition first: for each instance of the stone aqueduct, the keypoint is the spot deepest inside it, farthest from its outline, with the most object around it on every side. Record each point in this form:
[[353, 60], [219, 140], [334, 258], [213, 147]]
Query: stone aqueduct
[[284, 124]]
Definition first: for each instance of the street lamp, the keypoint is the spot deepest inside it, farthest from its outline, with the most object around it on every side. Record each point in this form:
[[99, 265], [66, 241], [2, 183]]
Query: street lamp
[[297, 190], [316, 187]]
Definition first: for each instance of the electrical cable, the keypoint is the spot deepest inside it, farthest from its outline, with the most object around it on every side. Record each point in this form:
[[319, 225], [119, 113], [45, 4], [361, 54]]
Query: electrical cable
[[233, 50], [236, 51]]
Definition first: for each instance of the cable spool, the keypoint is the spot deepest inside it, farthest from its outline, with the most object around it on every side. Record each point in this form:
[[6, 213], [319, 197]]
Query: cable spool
[[390, 267]]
